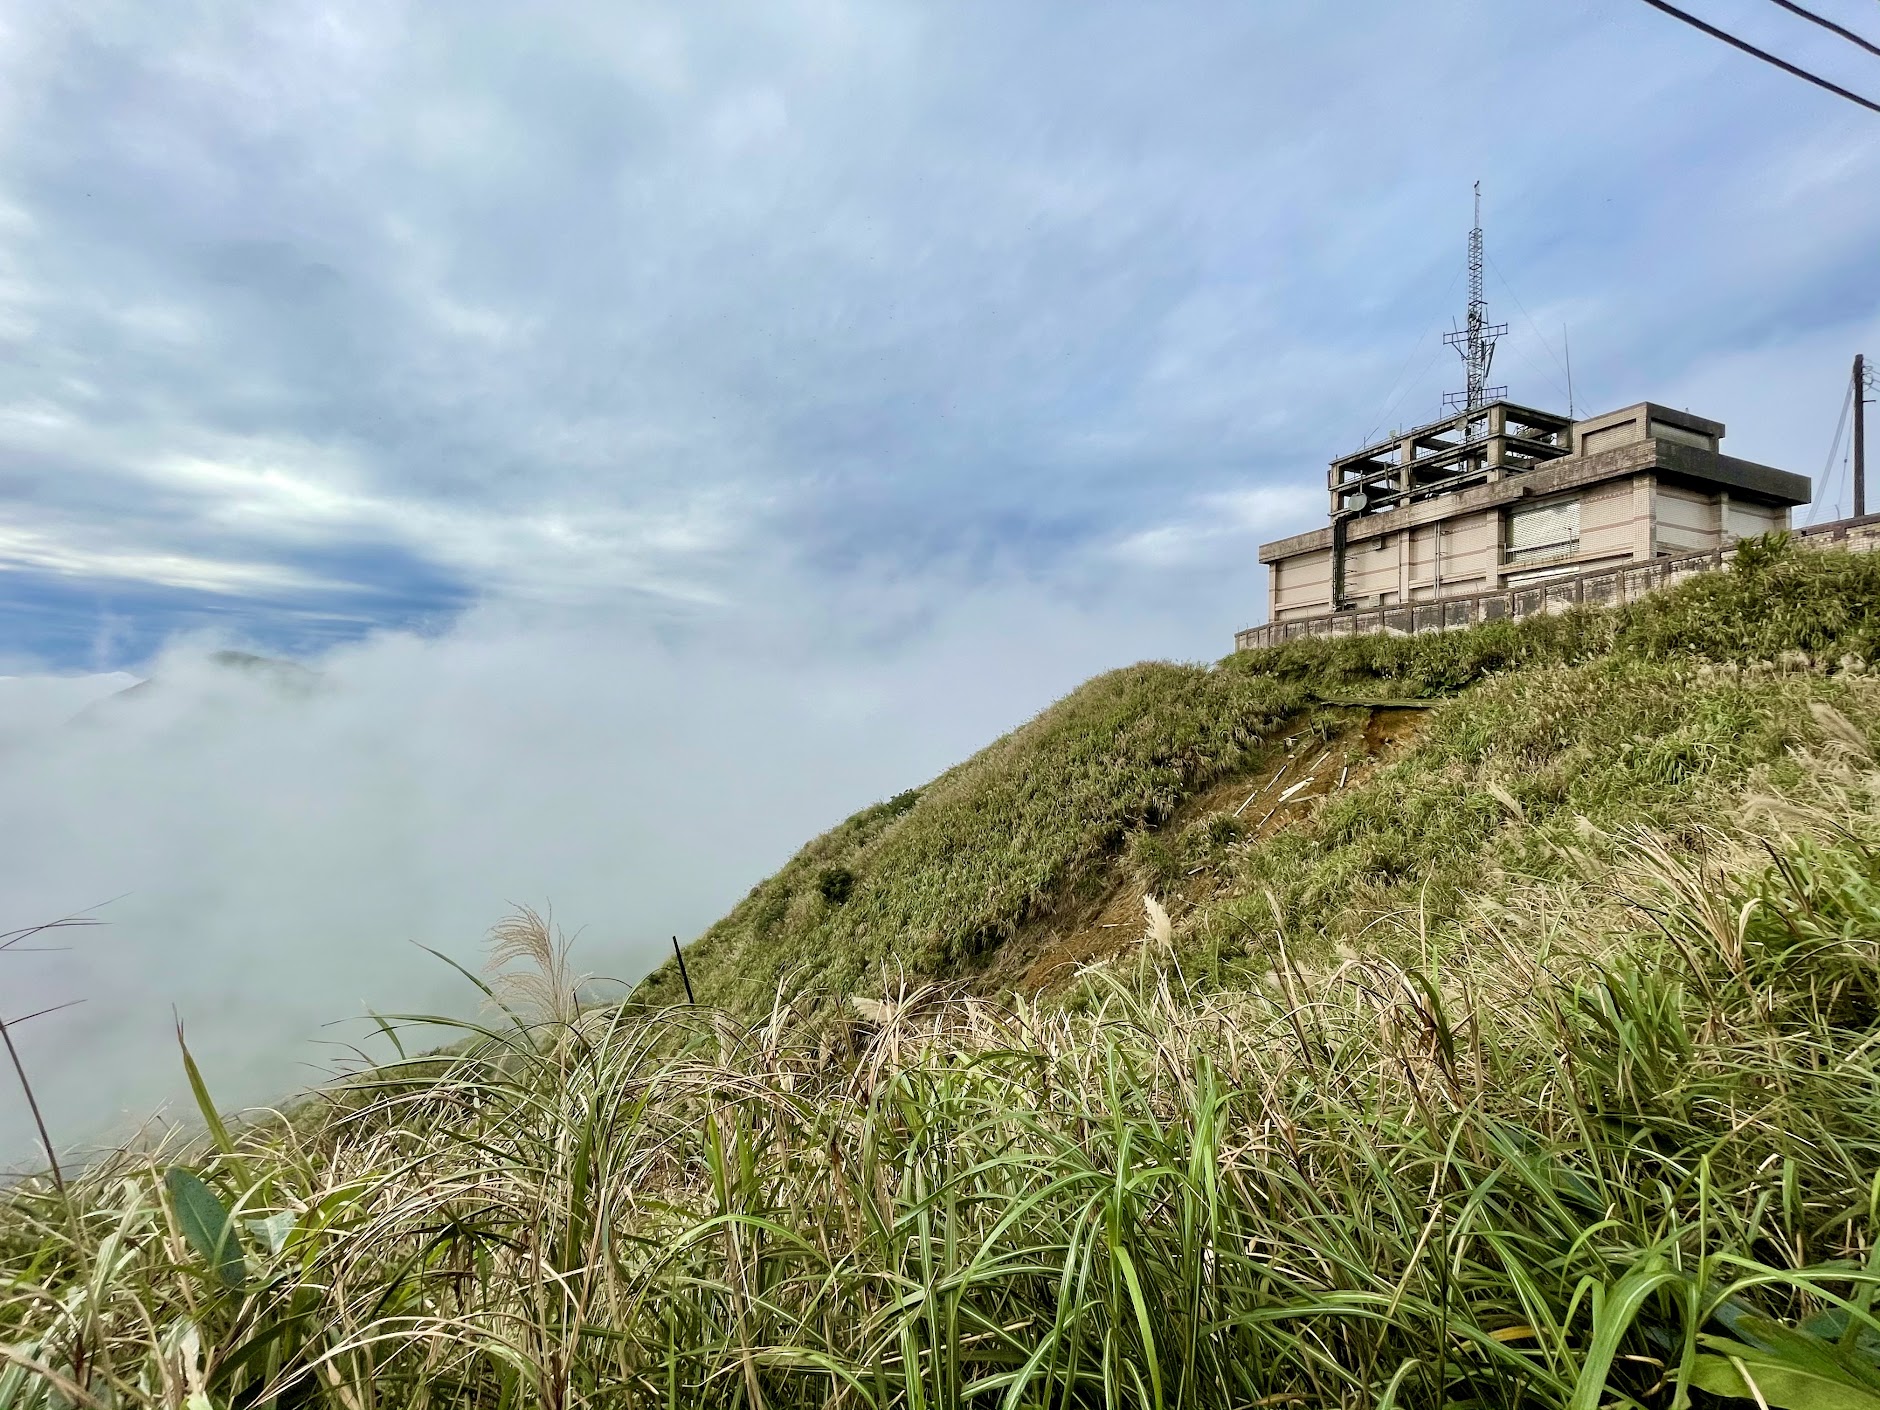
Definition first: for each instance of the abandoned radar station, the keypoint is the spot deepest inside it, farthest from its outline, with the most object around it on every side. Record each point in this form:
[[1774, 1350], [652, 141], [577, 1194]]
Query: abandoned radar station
[[1500, 509]]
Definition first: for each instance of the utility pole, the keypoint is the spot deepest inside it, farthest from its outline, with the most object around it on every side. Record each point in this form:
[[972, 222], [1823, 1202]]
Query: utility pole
[[1863, 383]]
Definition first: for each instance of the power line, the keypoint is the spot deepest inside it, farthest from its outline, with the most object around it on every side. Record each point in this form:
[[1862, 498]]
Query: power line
[[1763, 54], [1834, 448], [1415, 384], [1827, 24], [1524, 313], [1414, 349], [1567, 348], [1537, 368]]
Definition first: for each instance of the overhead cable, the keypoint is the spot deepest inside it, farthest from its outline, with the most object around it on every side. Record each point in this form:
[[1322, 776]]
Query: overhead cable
[[1827, 24], [1763, 54], [1834, 449], [1525, 314], [1371, 435]]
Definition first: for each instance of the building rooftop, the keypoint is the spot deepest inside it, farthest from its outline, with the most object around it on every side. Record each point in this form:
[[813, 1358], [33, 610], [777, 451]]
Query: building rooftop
[[1431, 473]]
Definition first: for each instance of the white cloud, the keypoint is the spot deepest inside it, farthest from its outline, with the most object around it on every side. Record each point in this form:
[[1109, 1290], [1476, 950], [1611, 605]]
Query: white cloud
[[249, 498], [625, 301], [778, 332], [70, 555], [756, 118], [276, 853], [31, 705], [1231, 520]]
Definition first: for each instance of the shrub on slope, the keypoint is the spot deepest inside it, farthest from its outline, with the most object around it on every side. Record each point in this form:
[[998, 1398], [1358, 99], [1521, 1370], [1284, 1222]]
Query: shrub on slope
[[934, 878], [1775, 597]]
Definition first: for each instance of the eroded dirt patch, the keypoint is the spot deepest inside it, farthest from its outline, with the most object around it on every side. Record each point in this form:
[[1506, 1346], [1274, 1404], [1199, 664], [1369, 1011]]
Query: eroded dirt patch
[[1263, 801], [1392, 726]]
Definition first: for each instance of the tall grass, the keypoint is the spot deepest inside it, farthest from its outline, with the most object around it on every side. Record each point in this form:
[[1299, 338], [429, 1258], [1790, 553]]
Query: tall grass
[[1629, 1152], [1501, 789], [1536, 1069]]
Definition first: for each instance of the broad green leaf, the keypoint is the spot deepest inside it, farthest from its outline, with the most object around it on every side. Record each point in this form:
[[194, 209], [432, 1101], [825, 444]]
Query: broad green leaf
[[206, 1224], [1833, 1324], [1802, 1349], [1614, 1311], [1781, 1386], [272, 1231]]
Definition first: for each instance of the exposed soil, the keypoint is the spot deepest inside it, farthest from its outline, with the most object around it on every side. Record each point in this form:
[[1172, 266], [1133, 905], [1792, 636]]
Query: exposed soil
[[1285, 789], [1392, 726]]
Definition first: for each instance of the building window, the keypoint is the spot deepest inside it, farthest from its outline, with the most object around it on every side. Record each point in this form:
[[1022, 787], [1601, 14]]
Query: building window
[[1537, 532]]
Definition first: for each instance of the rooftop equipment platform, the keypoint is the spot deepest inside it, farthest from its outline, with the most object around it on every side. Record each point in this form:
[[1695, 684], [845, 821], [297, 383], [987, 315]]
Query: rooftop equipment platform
[[1468, 448]]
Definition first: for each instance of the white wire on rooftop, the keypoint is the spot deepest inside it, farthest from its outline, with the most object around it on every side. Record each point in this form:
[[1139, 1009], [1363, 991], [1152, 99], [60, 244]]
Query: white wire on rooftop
[[1530, 319], [1384, 420]]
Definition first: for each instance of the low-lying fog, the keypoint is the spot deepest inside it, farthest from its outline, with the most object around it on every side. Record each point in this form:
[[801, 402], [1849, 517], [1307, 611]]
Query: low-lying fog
[[263, 852]]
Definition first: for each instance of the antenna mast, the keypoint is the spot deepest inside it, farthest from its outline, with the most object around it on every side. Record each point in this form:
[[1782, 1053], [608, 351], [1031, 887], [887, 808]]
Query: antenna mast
[[1476, 342]]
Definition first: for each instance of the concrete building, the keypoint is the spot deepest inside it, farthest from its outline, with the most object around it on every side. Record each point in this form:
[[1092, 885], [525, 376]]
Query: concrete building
[[1502, 496]]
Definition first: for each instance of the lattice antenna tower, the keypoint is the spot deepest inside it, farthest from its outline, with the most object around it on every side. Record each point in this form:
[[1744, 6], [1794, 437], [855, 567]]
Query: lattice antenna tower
[[1476, 342]]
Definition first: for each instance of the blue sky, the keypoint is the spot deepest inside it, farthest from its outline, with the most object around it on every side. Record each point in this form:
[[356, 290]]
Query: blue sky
[[322, 318]]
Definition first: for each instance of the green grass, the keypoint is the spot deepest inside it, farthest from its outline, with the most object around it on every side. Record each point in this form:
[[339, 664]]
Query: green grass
[[937, 878], [1632, 717], [1585, 1170], [1607, 744], [1776, 598], [1535, 1069]]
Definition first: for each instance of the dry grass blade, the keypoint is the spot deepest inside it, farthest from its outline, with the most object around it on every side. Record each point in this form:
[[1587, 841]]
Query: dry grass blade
[[1841, 730], [1519, 1111], [546, 988], [1160, 932]]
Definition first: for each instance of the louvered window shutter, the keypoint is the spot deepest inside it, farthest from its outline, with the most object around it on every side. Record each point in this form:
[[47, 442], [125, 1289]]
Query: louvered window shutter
[[1544, 530]]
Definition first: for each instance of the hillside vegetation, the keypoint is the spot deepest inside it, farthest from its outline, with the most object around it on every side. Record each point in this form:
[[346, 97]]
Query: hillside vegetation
[[1636, 717], [1526, 1057], [940, 876]]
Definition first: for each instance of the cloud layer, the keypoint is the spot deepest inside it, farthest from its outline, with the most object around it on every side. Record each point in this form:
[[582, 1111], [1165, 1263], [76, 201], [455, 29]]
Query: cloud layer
[[269, 856], [329, 316]]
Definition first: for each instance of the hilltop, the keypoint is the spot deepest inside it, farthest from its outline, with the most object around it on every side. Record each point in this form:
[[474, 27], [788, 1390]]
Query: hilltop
[[1321, 786], [1474, 1019]]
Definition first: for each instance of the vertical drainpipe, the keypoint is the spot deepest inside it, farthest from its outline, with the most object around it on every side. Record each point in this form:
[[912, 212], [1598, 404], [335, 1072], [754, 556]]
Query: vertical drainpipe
[[1340, 600]]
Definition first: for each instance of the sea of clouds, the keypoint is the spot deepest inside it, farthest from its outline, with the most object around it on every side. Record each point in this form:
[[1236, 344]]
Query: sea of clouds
[[265, 855]]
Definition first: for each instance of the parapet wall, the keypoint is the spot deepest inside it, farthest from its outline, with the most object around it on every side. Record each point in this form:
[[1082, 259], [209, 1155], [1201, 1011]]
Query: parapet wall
[[1601, 587]]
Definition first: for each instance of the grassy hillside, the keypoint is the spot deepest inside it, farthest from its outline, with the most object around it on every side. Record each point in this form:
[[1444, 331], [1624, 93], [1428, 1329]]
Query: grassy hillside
[[936, 878], [1517, 1051], [1639, 717]]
